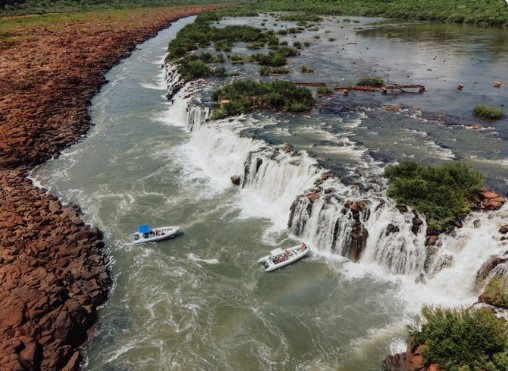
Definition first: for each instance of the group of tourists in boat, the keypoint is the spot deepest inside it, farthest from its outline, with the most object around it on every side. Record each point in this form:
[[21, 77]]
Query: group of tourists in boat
[[279, 258], [147, 234]]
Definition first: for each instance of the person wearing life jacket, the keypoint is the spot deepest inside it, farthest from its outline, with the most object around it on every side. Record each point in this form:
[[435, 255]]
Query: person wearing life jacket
[[303, 246]]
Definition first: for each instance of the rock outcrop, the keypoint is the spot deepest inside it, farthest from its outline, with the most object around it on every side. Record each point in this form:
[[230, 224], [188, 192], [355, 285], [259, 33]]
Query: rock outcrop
[[53, 267], [488, 200]]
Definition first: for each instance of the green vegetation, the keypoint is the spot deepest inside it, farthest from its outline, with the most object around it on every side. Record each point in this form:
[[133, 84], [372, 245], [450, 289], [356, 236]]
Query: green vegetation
[[307, 69], [265, 70], [274, 58], [441, 193], [496, 292], [484, 12], [196, 66], [300, 17], [201, 34], [373, 81], [244, 95], [256, 45], [462, 339], [326, 90], [19, 7], [488, 112]]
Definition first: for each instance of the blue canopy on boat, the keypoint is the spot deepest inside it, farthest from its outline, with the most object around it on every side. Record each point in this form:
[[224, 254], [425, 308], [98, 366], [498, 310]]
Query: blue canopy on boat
[[144, 228]]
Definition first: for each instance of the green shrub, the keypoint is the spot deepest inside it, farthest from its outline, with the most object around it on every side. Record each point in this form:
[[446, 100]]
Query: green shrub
[[266, 71], [300, 17], [224, 45], [220, 72], [488, 112], [326, 90], [193, 69], [256, 45], [307, 69], [441, 193], [219, 113], [456, 339], [243, 95], [374, 81], [274, 59], [496, 292]]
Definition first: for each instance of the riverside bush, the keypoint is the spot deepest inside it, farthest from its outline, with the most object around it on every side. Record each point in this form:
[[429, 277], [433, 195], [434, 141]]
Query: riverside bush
[[488, 112], [243, 95], [373, 81], [441, 193], [201, 34], [266, 71], [326, 90], [455, 339], [300, 17], [496, 292], [307, 69]]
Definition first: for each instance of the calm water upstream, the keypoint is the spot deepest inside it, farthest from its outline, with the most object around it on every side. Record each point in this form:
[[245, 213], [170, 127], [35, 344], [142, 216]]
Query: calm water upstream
[[200, 301]]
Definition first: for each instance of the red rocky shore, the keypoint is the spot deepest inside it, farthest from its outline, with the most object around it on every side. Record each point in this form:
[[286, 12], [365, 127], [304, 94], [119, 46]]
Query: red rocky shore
[[53, 267]]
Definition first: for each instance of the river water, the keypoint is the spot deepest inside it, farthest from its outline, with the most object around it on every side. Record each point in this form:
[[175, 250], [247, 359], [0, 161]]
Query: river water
[[200, 301]]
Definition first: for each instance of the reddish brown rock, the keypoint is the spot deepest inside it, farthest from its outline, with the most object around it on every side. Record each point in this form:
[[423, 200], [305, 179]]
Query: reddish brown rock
[[411, 360], [52, 266], [503, 229], [488, 200], [312, 197]]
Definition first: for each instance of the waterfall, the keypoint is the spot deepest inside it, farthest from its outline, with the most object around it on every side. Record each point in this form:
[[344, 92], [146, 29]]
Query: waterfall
[[365, 227], [196, 116], [174, 82], [356, 220], [277, 174]]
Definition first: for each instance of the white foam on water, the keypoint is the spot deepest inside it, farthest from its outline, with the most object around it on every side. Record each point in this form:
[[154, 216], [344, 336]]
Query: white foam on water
[[195, 258], [439, 151], [215, 154]]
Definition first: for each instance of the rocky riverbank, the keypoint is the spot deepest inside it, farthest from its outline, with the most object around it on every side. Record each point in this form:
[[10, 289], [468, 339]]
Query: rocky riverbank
[[53, 267]]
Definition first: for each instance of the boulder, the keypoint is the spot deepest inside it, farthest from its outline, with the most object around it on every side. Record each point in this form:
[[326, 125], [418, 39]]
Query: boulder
[[236, 180], [391, 229], [503, 229], [417, 223], [395, 362], [312, 197], [287, 148], [492, 262]]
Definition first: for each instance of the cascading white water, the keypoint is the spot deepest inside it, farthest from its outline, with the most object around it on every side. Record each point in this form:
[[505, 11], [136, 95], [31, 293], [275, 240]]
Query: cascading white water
[[276, 174], [196, 116], [363, 226], [173, 79]]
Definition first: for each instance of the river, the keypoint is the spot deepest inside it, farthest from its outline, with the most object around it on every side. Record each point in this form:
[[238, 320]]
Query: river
[[200, 301]]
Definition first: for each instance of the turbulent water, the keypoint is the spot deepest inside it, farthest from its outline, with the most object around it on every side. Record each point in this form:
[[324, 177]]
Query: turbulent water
[[200, 301]]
